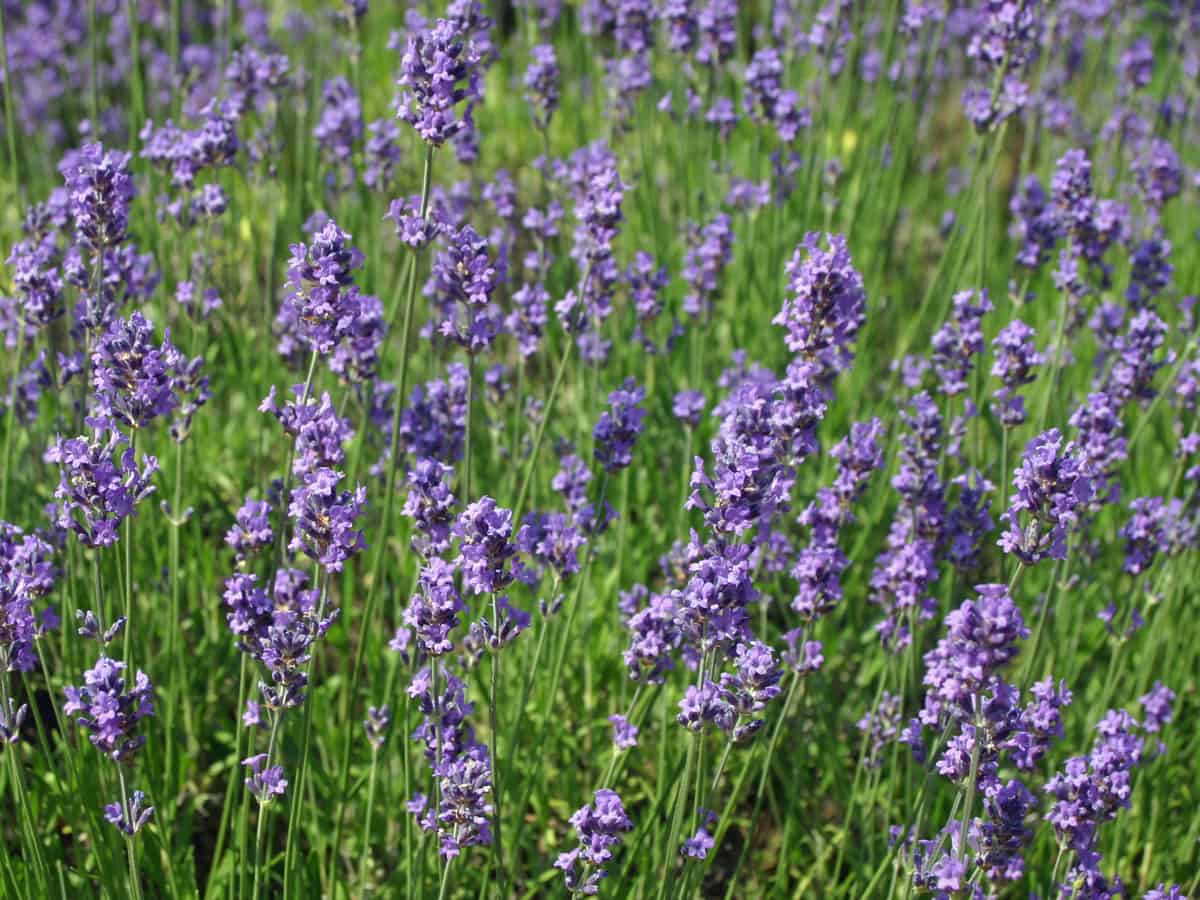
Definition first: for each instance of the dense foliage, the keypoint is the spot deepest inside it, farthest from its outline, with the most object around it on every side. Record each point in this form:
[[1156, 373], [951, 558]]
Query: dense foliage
[[656, 448]]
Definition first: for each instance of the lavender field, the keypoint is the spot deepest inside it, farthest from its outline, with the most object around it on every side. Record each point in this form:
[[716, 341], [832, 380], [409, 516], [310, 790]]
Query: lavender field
[[641, 448]]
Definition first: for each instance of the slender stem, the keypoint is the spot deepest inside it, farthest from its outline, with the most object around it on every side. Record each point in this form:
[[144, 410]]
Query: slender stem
[[127, 526], [94, 59], [547, 411], [365, 853], [135, 881], [10, 132], [762, 782], [293, 828], [677, 814], [972, 780], [10, 416], [388, 499], [472, 375], [276, 716], [445, 879], [173, 654], [493, 723]]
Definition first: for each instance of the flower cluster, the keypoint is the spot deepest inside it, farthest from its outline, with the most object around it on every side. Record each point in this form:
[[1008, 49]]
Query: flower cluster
[[322, 304], [438, 71], [27, 574], [96, 491], [109, 713], [827, 306], [462, 283], [1015, 360], [1050, 488], [619, 426], [599, 826]]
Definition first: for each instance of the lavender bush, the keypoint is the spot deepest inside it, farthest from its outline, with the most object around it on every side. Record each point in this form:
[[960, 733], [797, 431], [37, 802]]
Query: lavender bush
[[641, 448]]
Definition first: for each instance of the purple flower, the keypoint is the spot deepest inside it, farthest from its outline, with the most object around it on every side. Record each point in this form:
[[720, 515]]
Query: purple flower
[[187, 152], [711, 610], [433, 611], [26, 574], [340, 127], [722, 114], [381, 154], [1157, 707], [598, 192], [1147, 533], [688, 407], [618, 427], [139, 814], [252, 534], [100, 190], [625, 734], [356, 358], [527, 321], [1100, 445], [412, 228], [1138, 359], [1015, 357], [325, 519], [981, 638], [599, 827], [319, 433], [376, 724], [958, 341], [1136, 64], [1034, 223], [709, 251], [108, 712], [278, 630], [1089, 791], [819, 566], [699, 844], [462, 282], [716, 32], [1159, 174], [1162, 892], [322, 304], [551, 540], [541, 85], [764, 82], [646, 281], [1051, 487], [827, 306], [485, 532], [439, 70], [1150, 272], [264, 781], [462, 819], [969, 521], [654, 636], [430, 504], [95, 492], [135, 381]]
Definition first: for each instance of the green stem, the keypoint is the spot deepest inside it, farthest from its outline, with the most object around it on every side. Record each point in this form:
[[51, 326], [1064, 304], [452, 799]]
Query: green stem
[[493, 723], [127, 527], [388, 501], [547, 411], [472, 375], [10, 131], [276, 716], [135, 881], [365, 853], [677, 814], [10, 415], [293, 828]]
